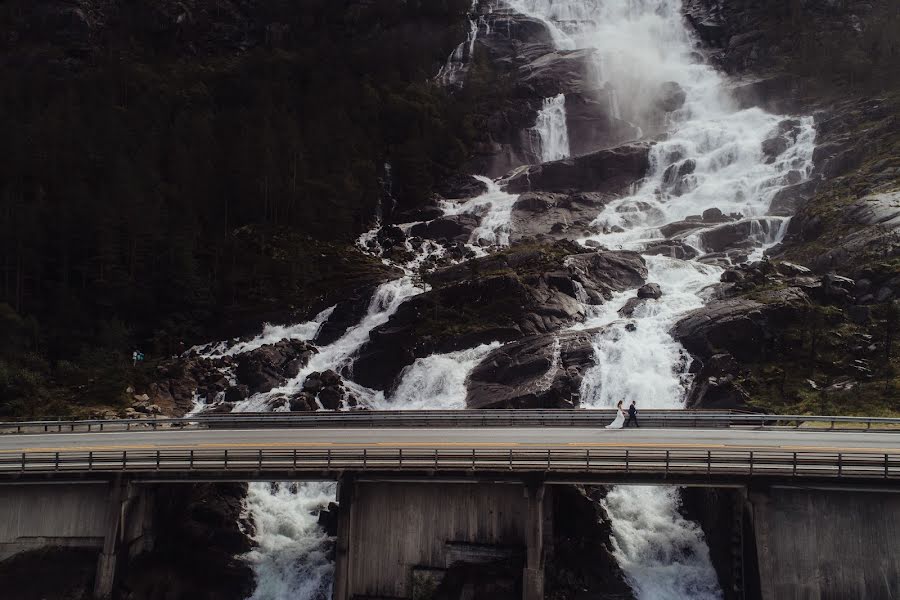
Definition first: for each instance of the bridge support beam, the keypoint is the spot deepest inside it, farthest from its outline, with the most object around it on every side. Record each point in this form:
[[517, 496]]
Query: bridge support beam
[[533, 575], [345, 496], [108, 562]]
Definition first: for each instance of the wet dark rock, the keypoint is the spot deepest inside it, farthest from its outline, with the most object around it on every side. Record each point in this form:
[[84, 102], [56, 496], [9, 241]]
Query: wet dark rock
[[591, 124], [650, 290], [671, 96], [237, 393], [328, 519], [740, 326], [581, 565], [459, 187], [456, 228], [198, 542], [555, 216], [331, 397], [741, 233], [541, 371], [268, 366], [607, 171], [790, 198], [303, 402], [671, 248], [630, 306], [522, 291], [559, 71]]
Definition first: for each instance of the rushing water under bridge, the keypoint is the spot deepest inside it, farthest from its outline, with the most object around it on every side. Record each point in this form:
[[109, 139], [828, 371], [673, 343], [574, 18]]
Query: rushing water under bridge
[[400, 476]]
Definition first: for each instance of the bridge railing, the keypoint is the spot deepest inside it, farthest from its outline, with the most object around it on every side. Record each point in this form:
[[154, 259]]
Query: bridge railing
[[298, 463], [459, 418]]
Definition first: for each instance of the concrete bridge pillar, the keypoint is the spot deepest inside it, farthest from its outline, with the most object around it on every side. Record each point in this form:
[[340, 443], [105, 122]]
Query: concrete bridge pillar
[[533, 575], [346, 492], [106, 564]]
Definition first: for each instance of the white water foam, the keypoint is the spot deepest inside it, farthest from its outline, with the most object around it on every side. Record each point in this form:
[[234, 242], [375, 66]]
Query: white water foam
[[291, 561], [495, 209], [551, 130], [437, 382], [271, 334]]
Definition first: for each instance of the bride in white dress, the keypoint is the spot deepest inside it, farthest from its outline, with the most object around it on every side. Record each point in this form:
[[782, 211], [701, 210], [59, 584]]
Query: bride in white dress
[[620, 418]]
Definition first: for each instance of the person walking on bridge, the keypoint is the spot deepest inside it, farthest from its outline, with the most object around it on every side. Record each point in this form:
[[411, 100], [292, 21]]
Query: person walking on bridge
[[632, 415]]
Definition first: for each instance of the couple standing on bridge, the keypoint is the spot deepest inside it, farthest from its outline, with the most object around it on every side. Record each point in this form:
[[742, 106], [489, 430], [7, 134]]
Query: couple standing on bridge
[[620, 421]]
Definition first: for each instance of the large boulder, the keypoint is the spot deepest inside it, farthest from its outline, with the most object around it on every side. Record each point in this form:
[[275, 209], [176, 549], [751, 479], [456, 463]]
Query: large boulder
[[540, 371], [556, 72], [456, 228], [608, 171], [525, 290], [591, 124], [271, 365], [555, 216], [461, 187], [741, 326]]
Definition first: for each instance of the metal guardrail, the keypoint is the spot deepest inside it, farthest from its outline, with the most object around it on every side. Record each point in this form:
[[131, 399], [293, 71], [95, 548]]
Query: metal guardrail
[[458, 418], [658, 463]]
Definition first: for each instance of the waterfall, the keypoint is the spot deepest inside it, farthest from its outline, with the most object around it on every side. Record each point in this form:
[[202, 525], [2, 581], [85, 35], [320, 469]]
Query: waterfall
[[711, 157], [451, 72], [494, 207], [551, 130]]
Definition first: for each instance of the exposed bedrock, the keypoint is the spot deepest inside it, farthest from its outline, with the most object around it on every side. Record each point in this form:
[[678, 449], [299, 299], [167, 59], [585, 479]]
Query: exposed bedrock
[[525, 290], [555, 216], [607, 171], [540, 371], [198, 538], [727, 333], [521, 54]]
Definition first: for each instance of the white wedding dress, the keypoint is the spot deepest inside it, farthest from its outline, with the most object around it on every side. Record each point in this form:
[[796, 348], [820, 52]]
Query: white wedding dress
[[618, 421]]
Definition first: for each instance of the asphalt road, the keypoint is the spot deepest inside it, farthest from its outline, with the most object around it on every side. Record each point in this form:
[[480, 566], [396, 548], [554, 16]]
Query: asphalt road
[[478, 437]]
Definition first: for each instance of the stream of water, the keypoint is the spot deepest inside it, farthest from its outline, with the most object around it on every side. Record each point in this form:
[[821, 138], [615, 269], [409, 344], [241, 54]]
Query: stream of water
[[710, 158]]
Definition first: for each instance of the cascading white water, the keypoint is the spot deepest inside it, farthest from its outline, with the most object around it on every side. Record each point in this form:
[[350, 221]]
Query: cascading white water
[[495, 209], [291, 559], [437, 382], [712, 157], [270, 334], [551, 129], [450, 73]]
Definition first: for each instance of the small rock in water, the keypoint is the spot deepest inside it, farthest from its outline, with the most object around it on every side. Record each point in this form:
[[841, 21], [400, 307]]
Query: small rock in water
[[631, 327], [650, 290]]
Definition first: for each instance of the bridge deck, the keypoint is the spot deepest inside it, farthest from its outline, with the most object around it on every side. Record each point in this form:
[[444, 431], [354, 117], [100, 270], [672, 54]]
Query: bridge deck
[[562, 453]]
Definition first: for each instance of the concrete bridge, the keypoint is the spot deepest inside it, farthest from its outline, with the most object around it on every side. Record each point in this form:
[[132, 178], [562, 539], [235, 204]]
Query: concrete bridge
[[799, 497]]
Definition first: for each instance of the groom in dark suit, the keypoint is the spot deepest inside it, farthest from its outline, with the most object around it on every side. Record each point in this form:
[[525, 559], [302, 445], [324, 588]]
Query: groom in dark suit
[[632, 415]]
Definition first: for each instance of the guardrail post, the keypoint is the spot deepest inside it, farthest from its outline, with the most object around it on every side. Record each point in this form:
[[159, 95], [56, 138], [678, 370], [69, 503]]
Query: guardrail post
[[667, 464], [708, 462], [23, 461], [90, 461], [328, 457], [548, 459], [587, 460], [56, 462], [751, 463], [191, 462], [794, 473], [510, 459], [225, 466], [840, 464], [435, 459], [885, 466], [400, 459], [124, 459], [473, 459], [259, 460], [365, 459], [627, 468]]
